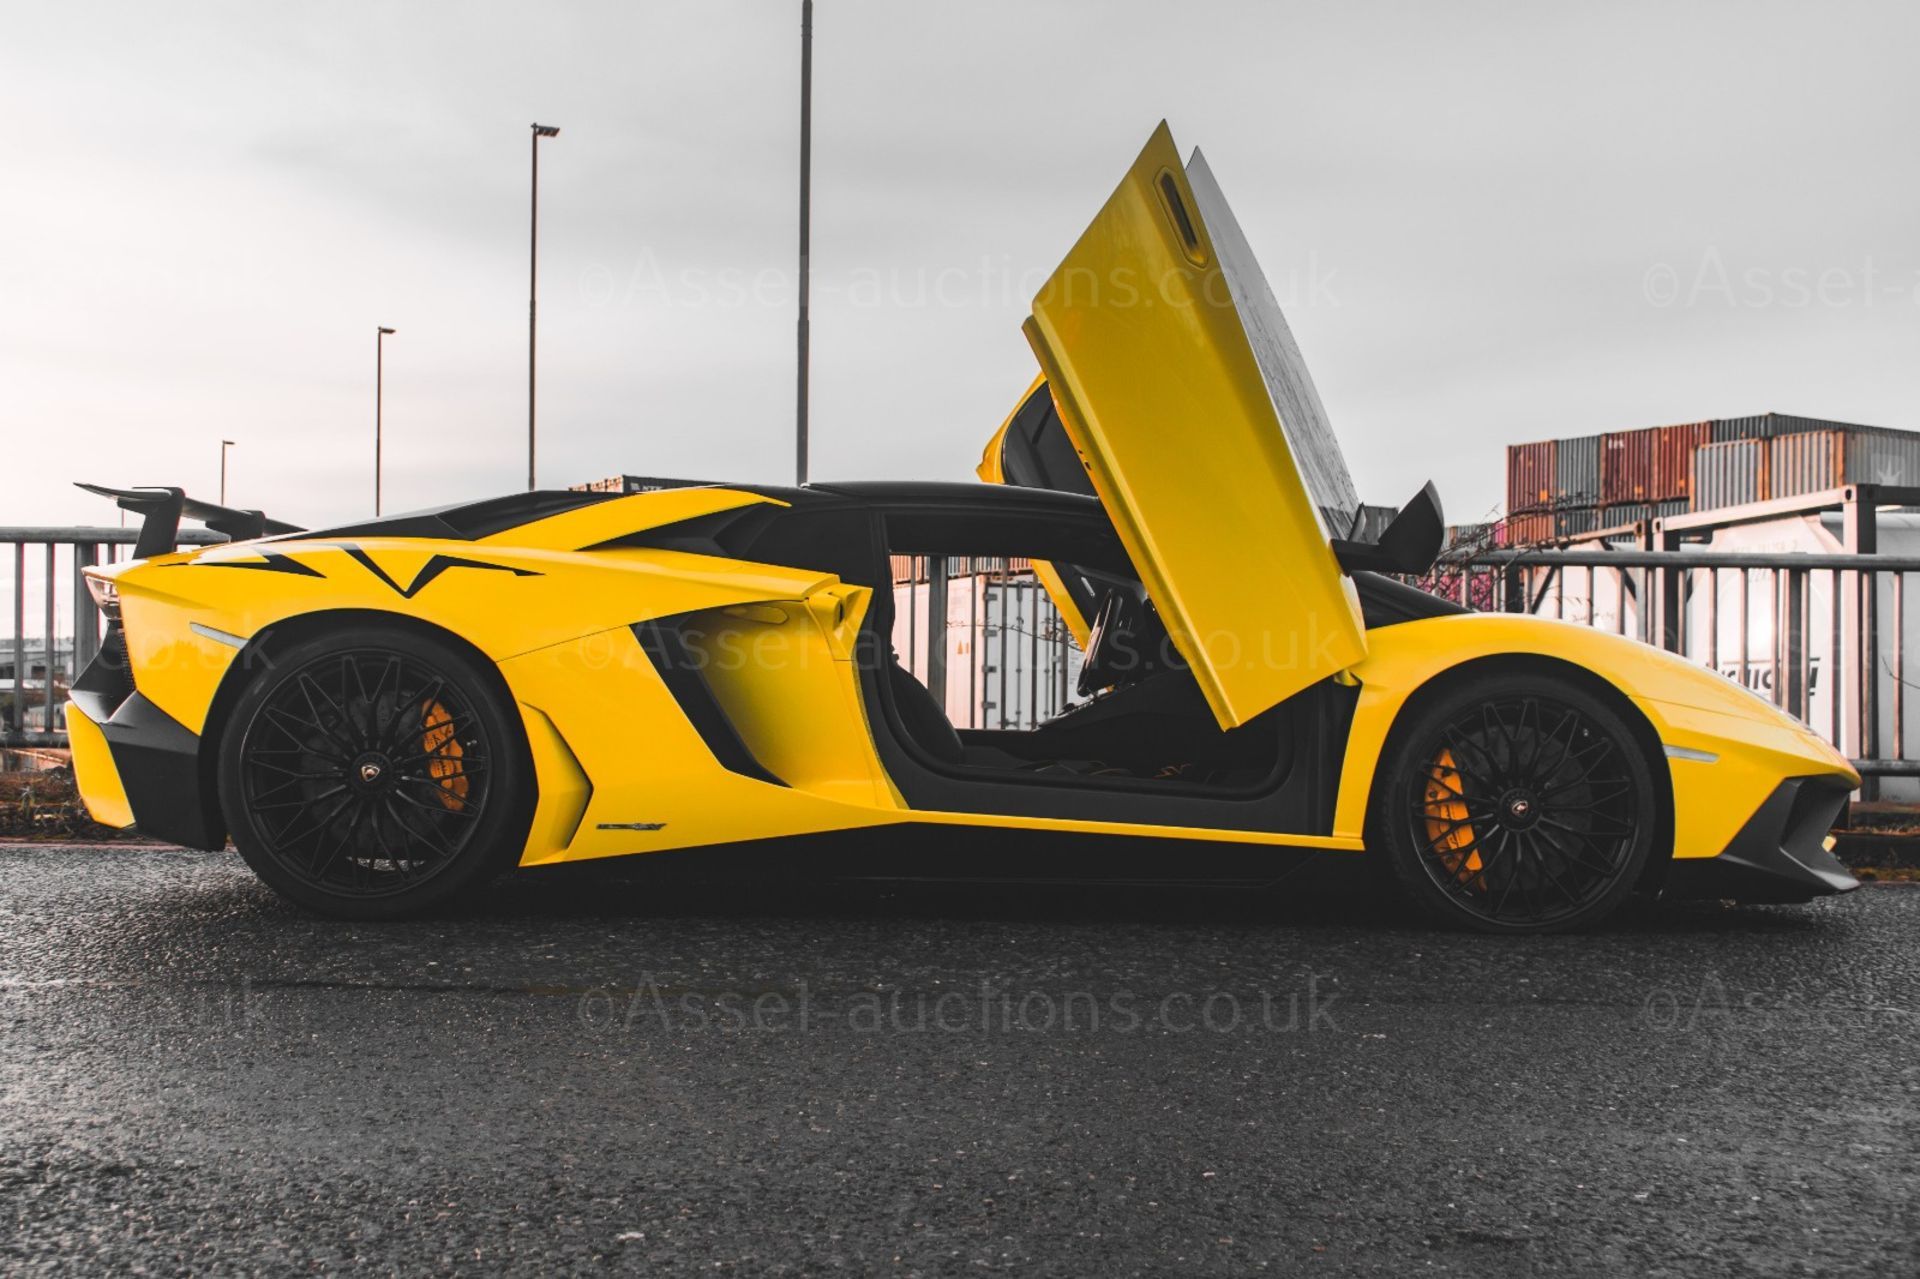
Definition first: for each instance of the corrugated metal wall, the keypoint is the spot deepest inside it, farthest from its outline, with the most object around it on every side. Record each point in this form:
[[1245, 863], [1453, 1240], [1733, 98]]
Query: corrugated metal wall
[[1530, 475], [1626, 465], [1884, 457], [1577, 472], [1524, 530], [1806, 463], [1624, 513], [1815, 460], [1574, 520], [1729, 473], [1673, 448]]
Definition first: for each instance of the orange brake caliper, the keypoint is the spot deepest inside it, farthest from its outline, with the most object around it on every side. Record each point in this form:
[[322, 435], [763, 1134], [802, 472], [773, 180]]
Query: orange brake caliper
[[443, 751], [1448, 832]]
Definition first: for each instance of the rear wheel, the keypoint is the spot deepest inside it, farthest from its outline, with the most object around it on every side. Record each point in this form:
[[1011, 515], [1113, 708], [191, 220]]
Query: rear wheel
[[372, 773], [1516, 804]]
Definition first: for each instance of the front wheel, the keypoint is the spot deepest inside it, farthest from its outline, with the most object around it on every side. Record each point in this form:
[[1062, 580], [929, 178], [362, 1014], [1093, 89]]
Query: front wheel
[[1516, 804], [371, 773]]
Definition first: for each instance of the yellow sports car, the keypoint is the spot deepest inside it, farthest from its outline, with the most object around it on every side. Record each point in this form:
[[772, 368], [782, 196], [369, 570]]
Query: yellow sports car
[[383, 716]]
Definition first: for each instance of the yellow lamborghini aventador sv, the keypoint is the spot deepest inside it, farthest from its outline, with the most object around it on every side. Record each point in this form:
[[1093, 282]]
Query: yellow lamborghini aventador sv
[[381, 717]]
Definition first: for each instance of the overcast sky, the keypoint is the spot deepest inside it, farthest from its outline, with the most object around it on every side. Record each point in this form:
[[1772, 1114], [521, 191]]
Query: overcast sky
[[1487, 223]]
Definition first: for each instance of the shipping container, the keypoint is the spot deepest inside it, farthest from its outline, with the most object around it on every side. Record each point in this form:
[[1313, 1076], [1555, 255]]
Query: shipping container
[[1526, 530], [1817, 460], [1009, 661], [1626, 465], [1807, 463], [1572, 521], [1461, 537], [1621, 514], [1882, 456], [1673, 448], [1730, 473], [1577, 472], [1765, 426], [1530, 476]]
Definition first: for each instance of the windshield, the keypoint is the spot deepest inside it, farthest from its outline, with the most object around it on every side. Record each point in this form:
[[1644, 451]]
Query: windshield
[[1302, 417]]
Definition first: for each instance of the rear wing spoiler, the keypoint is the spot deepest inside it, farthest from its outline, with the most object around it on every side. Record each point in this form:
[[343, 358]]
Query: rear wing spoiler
[[161, 510]]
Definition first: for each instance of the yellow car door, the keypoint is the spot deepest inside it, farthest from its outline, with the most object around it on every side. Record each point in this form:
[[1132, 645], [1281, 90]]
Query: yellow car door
[[1180, 388]]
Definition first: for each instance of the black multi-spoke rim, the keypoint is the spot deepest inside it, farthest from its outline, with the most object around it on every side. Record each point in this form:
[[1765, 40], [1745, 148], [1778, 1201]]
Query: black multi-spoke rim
[[365, 773], [1527, 812]]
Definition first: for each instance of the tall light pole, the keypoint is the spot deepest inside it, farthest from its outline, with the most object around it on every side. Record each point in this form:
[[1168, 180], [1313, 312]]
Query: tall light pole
[[379, 385], [224, 446], [806, 207], [533, 281]]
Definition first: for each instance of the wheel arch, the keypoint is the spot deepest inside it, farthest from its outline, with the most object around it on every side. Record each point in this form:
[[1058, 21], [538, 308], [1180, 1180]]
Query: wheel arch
[[276, 637], [1645, 736]]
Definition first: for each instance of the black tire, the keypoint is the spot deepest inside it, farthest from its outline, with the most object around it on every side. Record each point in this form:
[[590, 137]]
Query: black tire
[[1515, 803], [374, 772]]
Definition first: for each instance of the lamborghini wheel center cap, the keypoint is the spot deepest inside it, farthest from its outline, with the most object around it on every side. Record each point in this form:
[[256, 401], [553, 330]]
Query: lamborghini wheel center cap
[[1519, 810], [371, 770]]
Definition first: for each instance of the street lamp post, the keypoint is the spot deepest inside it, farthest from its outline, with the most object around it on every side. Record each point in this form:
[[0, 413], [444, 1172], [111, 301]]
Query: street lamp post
[[806, 205], [379, 385], [224, 446], [533, 281]]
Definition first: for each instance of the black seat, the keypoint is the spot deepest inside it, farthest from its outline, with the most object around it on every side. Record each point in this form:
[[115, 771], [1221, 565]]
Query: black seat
[[924, 719], [1125, 643]]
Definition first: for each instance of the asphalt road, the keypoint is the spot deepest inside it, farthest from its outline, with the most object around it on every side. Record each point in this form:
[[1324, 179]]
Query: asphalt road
[[599, 1070]]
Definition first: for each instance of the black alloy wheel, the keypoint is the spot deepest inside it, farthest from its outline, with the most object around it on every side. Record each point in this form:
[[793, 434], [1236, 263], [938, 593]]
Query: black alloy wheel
[[374, 774], [1520, 805]]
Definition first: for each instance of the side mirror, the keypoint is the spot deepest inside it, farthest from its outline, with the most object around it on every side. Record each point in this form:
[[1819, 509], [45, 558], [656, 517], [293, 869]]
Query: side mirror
[[1408, 545]]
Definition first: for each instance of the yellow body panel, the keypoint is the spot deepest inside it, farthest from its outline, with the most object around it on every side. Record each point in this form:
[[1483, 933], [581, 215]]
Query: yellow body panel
[[792, 693], [564, 789], [992, 468], [1757, 745], [522, 600], [1161, 394], [603, 521], [93, 772], [647, 766]]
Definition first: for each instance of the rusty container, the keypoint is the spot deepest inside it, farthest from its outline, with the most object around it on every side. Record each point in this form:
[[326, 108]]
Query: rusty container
[[1526, 530], [1673, 448], [1626, 466], [1530, 476]]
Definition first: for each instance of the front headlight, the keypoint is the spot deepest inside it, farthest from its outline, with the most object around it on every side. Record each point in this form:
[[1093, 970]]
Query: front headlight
[[106, 595]]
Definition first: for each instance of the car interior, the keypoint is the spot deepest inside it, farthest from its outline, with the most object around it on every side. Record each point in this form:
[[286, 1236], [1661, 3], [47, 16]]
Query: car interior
[[1141, 720]]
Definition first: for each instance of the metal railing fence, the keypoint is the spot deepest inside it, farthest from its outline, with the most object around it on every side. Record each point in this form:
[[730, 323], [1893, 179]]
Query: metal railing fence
[[1822, 636], [56, 628]]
